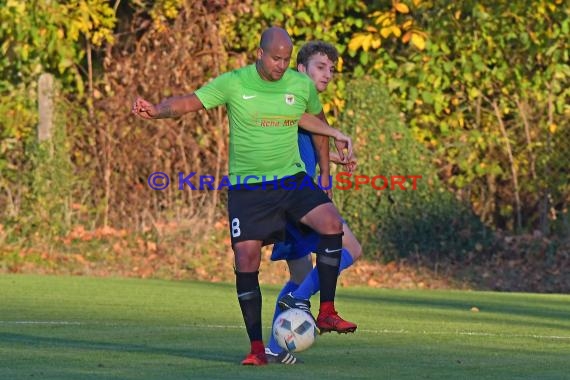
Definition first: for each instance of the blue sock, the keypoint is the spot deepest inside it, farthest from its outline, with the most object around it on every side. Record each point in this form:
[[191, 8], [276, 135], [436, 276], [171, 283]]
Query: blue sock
[[311, 285], [287, 288]]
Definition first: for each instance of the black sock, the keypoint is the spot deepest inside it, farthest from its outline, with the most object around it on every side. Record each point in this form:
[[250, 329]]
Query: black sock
[[328, 262], [249, 297]]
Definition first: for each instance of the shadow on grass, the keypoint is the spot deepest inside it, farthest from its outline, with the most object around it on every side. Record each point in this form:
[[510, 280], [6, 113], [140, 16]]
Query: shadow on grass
[[194, 352]]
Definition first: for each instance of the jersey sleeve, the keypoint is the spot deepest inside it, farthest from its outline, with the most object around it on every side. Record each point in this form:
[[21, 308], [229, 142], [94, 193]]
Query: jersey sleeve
[[314, 105], [215, 93]]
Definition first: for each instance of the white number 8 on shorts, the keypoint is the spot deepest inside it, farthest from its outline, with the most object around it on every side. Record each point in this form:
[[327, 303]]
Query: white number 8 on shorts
[[235, 227]]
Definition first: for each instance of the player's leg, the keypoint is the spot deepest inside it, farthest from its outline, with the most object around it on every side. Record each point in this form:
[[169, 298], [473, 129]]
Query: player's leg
[[298, 270], [312, 207], [255, 216], [326, 220], [247, 260], [299, 263], [301, 245], [351, 243], [311, 284], [350, 253]]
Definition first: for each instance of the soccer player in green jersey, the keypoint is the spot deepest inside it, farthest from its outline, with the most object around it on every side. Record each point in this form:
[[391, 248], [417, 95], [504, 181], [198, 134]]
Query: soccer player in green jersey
[[266, 102]]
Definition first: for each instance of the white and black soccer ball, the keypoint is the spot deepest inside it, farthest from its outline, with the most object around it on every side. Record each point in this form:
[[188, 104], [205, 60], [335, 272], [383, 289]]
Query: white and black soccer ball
[[294, 330]]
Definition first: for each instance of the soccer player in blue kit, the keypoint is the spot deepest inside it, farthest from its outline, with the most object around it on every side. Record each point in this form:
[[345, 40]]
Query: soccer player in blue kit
[[317, 59]]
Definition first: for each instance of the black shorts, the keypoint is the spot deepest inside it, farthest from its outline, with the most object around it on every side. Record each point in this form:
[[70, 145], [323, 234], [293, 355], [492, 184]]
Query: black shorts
[[260, 211]]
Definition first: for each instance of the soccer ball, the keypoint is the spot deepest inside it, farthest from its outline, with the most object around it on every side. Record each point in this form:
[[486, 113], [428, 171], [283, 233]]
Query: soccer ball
[[294, 330]]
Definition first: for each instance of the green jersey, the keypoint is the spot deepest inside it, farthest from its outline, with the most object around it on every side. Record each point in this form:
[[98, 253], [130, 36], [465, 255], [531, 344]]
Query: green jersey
[[263, 118]]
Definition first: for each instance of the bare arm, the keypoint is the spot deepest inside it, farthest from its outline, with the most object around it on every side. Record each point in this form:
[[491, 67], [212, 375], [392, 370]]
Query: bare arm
[[172, 107], [315, 125], [322, 147]]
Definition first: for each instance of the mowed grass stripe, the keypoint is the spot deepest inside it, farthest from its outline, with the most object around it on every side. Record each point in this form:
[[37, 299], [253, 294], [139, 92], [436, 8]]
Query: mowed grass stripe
[[111, 328], [474, 333]]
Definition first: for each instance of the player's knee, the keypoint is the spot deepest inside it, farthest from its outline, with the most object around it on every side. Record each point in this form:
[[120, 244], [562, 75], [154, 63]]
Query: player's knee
[[350, 242], [332, 226], [297, 278], [247, 259], [355, 250], [299, 269]]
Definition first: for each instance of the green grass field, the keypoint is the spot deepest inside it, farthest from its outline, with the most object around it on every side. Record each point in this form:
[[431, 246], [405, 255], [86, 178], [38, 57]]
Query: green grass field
[[101, 328]]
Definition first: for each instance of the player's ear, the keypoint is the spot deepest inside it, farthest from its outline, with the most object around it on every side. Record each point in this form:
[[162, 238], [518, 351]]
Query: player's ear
[[301, 68], [259, 53]]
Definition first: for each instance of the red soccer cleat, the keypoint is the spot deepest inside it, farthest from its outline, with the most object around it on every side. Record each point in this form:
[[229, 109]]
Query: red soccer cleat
[[327, 322], [255, 359]]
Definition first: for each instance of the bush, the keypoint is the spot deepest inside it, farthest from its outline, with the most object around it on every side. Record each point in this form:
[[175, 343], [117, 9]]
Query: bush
[[395, 222]]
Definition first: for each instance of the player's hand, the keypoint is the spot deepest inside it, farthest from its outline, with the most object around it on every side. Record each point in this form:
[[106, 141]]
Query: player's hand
[[349, 166], [144, 109], [334, 157], [343, 145]]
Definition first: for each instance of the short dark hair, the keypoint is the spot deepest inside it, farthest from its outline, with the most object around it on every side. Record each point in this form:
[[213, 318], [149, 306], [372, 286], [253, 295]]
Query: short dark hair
[[316, 47]]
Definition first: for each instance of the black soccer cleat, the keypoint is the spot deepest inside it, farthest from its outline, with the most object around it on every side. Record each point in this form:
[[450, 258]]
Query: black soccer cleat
[[281, 358], [289, 302]]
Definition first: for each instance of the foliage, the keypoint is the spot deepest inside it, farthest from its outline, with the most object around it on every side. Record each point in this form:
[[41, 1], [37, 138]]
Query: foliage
[[54, 37], [389, 27], [423, 218], [482, 85], [52, 190], [487, 94], [158, 68], [37, 37], [462, 76], [304, 19], [46, 36]]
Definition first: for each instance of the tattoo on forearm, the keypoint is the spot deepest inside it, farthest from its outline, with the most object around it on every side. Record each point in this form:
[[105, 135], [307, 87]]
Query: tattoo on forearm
[[165, 111]]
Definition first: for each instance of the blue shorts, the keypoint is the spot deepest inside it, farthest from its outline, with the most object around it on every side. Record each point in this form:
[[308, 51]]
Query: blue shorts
[[297, 243]]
